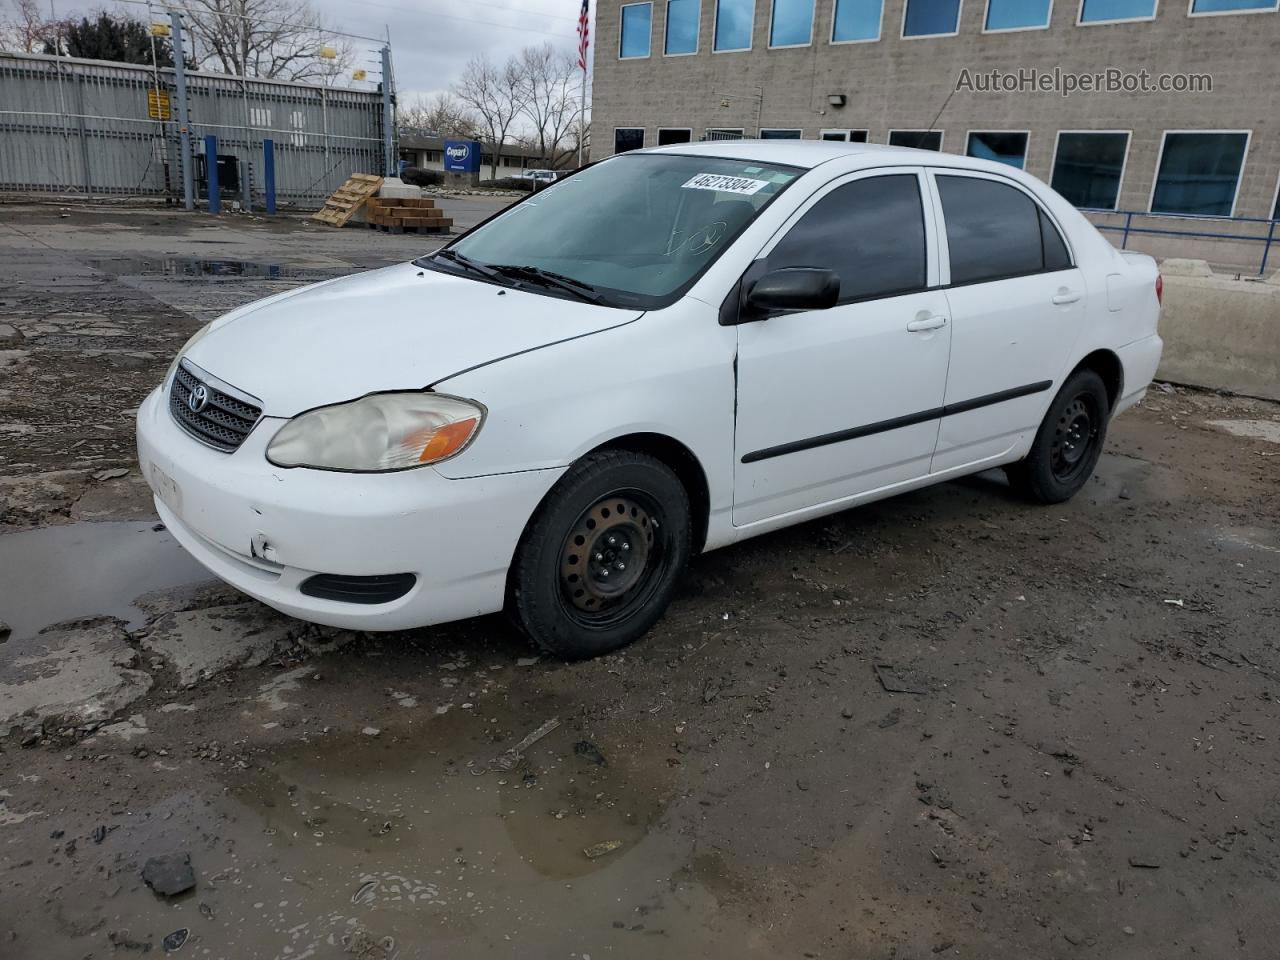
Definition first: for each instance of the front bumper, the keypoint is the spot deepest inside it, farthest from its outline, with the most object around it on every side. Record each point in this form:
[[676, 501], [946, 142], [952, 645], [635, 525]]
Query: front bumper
[[265, 529]]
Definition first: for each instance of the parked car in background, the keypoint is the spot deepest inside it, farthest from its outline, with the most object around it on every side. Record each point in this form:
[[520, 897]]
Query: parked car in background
[[542, 177], [667, 352]]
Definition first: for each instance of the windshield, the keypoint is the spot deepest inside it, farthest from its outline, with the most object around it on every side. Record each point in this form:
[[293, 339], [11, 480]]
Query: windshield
[[637, 230]]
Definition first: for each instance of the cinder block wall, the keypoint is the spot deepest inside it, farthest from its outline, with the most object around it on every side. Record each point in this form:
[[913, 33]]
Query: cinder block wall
[[897, 83]]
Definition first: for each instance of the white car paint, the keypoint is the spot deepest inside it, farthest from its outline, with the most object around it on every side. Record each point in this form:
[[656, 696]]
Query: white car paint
[[720, 392]]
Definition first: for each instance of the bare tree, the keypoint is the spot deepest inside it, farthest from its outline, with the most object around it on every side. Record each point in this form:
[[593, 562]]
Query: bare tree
[[493, 92], [272, 39], [25, 29], [442, 114], [548, 97]]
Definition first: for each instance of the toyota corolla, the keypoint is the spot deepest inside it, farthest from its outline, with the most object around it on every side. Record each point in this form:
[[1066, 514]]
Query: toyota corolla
[[665, 353]]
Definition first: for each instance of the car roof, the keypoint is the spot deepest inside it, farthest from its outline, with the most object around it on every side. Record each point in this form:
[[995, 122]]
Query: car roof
[[811, 153]]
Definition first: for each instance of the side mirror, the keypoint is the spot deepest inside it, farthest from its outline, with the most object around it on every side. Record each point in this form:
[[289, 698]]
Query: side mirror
[[792, 290]]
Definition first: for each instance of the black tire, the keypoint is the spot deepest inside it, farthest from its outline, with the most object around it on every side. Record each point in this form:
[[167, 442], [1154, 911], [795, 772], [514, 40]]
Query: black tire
[[1068, 444], [609, 509]]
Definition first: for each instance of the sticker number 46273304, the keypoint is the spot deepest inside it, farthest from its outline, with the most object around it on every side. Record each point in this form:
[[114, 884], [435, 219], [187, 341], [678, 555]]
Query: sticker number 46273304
[[725, 184]]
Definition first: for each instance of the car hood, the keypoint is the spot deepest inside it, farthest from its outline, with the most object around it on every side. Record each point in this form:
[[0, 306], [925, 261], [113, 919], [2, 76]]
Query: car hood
[[399, 328]]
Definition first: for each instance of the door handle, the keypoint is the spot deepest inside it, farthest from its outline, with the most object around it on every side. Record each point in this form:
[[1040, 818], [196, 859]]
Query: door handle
[[1066, 296], [925, 321]]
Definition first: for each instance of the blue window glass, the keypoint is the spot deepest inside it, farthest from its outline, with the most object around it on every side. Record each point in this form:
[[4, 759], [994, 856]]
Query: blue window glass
[[1017, 14], [1198, 173], [637, 23], [856, 20], [682, 26], [1010, 148], [928, 17], [791, 24], [1099, 11], [772, 134], [1088, 166], [733, 24], [1218, 6], [628, 138]]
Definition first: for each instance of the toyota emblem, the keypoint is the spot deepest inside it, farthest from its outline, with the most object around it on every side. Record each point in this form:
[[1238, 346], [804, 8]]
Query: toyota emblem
[[198, 398]]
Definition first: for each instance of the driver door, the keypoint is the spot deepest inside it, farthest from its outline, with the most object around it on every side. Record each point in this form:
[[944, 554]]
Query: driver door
[[837, 403]]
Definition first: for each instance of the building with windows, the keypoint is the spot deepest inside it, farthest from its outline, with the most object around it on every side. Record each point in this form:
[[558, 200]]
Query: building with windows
[[1123, 105]]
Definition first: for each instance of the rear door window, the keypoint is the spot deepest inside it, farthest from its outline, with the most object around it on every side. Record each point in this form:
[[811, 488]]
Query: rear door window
[[870, 232], [995, 230]]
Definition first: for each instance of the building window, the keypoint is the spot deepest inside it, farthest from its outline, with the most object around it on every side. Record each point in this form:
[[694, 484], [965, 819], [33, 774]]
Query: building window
[[734, 22], [1202, 7], [791, 24], [844, 136], [1017, 14], [932, 18], [1088, 167], [637, 24], [1010, 148], [775, 133], [1111, 11], [920, 139], [723, 133], [1199, 173], [670, 135], [627, 138], [856, 21], [682, 27]]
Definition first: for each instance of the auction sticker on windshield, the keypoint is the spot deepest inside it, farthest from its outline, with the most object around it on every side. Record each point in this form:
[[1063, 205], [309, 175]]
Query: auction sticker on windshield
[[725, 184]]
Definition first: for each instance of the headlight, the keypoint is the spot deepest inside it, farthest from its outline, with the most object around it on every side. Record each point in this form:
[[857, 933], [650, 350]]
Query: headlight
[[185, 347], [380, 432]]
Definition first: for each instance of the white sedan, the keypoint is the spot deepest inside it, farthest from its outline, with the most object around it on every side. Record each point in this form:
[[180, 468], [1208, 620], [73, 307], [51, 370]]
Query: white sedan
[[667, 352]]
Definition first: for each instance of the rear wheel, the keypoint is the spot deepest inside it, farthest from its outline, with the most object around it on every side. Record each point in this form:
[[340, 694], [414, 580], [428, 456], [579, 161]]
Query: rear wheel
[[598, 563], [1068, 444]]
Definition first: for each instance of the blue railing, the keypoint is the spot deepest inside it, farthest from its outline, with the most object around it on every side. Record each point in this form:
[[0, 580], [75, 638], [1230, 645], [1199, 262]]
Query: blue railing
[[1128, 229]]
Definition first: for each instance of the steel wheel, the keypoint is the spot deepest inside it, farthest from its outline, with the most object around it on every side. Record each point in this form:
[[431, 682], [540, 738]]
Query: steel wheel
[[612, 559], [1074, 436]]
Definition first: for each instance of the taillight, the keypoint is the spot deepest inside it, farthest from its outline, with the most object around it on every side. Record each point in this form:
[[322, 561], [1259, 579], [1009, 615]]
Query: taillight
[[1159, 289]]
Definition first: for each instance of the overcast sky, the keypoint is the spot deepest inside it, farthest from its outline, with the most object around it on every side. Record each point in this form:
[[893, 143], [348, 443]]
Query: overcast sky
[[432, 40]]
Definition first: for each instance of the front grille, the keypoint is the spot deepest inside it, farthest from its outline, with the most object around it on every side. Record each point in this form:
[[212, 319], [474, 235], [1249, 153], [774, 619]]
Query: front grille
[[222, 423]]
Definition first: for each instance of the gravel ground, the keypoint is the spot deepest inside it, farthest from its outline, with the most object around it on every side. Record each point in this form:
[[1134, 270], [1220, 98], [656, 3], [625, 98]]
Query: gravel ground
[[948, 724]]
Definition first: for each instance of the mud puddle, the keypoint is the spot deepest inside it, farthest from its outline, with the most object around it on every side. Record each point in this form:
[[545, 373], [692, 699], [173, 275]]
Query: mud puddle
[[87, 569], [394, 846], [203, 267]]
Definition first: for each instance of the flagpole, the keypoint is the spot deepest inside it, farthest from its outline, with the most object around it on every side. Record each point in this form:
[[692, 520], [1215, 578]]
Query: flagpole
[[583, 28]]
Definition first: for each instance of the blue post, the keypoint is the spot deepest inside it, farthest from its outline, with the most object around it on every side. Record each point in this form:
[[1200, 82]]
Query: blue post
[[1266, 251], [269, 173], [211, 171], [1128, 221]]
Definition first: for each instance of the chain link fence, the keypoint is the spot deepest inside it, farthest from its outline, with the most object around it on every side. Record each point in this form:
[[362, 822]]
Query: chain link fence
[[90, 128]]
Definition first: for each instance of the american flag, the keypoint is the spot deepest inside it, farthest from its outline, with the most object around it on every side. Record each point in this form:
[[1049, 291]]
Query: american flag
[[584, 35]]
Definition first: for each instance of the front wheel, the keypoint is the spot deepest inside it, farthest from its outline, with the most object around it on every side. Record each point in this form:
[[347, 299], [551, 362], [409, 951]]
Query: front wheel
[[598, 563], [1068, 444]]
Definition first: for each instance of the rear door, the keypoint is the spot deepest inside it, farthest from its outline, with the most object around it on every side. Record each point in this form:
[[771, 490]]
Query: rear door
[[1017, 305], [835, 403]]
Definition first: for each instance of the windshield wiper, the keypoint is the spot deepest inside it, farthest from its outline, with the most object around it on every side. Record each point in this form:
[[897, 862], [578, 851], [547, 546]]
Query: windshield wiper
[[462, 260], [546, 278]]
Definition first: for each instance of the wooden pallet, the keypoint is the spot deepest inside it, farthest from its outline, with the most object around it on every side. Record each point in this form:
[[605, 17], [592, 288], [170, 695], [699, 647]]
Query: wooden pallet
[[398, 214], [347, 199]]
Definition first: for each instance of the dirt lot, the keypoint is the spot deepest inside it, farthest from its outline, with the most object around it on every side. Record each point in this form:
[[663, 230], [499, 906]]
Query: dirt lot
[[949, 724]]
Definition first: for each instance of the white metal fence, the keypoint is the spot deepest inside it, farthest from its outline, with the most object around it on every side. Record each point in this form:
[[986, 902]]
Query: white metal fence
[[93, 128]]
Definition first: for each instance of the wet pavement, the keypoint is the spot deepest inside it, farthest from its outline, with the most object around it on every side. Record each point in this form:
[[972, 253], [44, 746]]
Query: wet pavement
[[948, 724]]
